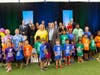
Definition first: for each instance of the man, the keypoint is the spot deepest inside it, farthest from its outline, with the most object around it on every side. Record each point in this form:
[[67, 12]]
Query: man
[[78, 32], [53, 35], [23, 28], [56, 25]]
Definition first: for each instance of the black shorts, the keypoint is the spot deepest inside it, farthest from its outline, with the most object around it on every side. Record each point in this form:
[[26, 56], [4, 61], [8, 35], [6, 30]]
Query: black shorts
[[98, 49], [86, 51], [19, 61], [43, 59]]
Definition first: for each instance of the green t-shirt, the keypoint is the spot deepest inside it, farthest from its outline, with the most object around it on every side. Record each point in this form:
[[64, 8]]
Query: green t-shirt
[[79, 48], [37, 46], [63, 39], [92, 45]]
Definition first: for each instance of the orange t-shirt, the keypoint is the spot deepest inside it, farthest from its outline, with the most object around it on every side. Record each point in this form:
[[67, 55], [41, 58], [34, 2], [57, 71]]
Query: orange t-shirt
[[27, 50], [4, 46], [97, 40], [86, 43]]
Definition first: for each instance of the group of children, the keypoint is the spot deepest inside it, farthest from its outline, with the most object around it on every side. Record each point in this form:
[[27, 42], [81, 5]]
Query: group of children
[[65, 51], [10, 55]]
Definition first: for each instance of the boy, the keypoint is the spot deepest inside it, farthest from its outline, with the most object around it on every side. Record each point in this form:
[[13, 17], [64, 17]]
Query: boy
[[27, 51], [38, 45], [67, 52], [58, 53], [20, 55], [43, 52], [86, 43], [92, 47], [97, 40], [79, 49], [63, 37]]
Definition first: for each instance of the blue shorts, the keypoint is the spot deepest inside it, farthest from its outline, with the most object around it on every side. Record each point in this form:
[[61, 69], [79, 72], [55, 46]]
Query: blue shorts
[[57, 57]]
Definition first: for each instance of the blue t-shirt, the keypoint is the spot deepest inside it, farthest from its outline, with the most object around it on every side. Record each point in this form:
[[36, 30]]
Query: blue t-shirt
[[88, 34], [67, 49], [19, 54], [70, 36], [73, 48], [42, 49], [58, 50]]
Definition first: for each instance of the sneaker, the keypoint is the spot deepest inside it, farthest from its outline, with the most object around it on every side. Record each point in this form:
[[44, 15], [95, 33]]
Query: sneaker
[[43, 70], [46, 68], [61, 66], [48, 63], [56, 67], [9, 69]]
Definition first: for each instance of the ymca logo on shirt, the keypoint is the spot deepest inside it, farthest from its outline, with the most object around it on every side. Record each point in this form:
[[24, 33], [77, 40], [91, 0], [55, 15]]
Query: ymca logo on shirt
[[67, 49], [58, 51], [10, 54]]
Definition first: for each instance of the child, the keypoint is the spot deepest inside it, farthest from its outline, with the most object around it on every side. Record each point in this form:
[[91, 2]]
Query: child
[[92, 47], [63, 38], [48, 56], [86, 42], [67, 52], [27, 51], [9, 55], [58, 53], [72, 51], [43, 52], [19, 55], [97, 40], [37, 46], [79, 49], [1, 57]]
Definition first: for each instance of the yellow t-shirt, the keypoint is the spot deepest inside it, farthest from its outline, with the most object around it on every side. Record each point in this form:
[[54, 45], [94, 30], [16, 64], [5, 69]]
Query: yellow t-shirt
[[43, 34]]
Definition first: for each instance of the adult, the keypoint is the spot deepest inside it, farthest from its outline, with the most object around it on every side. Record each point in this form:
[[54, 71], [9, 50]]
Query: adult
[[32, 32], [37, 26], [42, 32], [69, 26], [7, 36], [87, 32], [17, 38], [78, 32], [56, 24], [23, 28], [53, 35], [61, 28], [73, 23]]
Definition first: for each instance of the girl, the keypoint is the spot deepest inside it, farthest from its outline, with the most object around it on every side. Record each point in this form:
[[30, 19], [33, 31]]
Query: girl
[[27, 51], [79, 49], [19, 55], [58, 53], [9, 55]]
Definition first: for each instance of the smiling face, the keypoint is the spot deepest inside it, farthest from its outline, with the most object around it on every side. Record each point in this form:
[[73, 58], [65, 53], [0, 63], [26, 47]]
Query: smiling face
[[7, 31], [17, 31]]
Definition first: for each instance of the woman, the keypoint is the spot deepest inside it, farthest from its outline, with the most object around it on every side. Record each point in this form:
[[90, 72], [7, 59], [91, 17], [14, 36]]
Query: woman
[[42, 33], [7, 36], [61, 28], [17, 38], [32, 32]]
